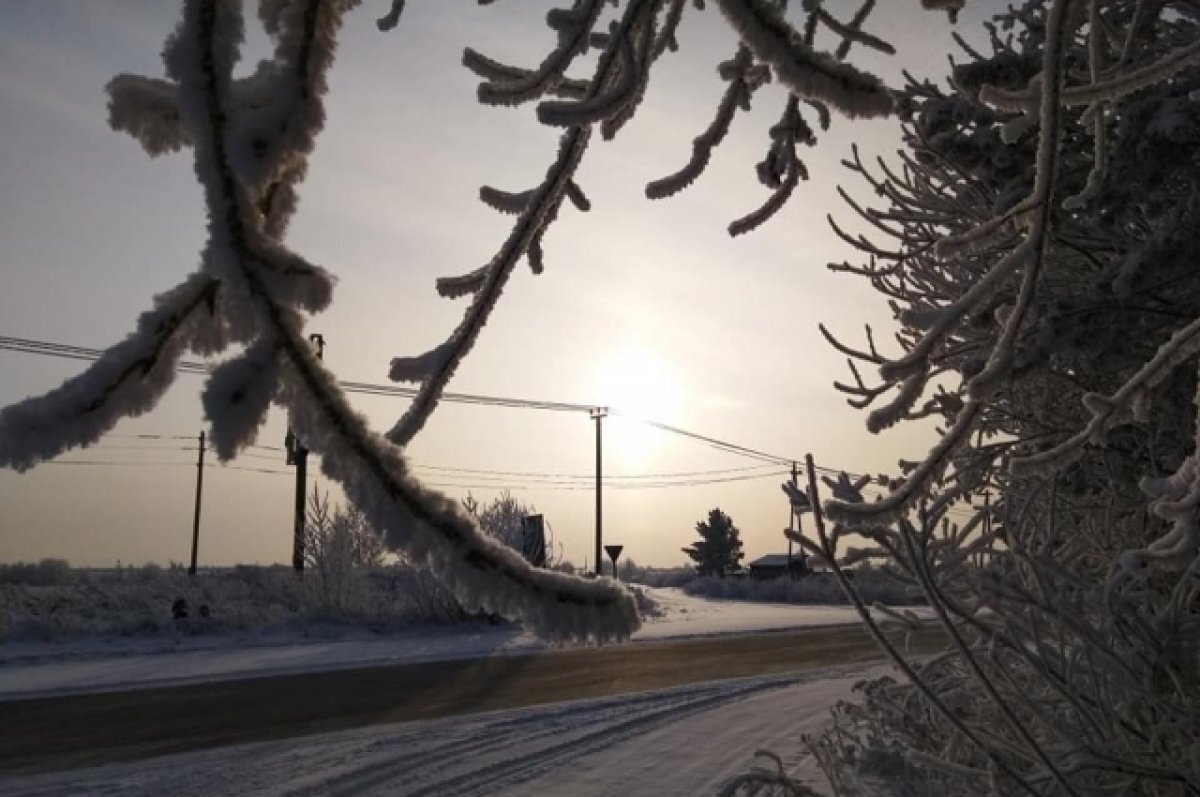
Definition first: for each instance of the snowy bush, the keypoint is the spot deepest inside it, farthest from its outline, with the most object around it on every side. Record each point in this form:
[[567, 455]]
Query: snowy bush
[[633, 573], [1036, 245], [254, 599], [419, 589], [339, 543], [41, 573], [246, 598], [503, 519], [814, 589]]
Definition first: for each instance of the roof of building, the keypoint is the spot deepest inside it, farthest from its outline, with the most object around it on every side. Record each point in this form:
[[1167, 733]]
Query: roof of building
[[774, 560]]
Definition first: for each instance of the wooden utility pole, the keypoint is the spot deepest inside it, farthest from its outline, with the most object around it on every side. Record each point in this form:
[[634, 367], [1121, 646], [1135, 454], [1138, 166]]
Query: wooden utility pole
[[300, 459], [791, 518], [598, 414], [298, 456], [196, 513]]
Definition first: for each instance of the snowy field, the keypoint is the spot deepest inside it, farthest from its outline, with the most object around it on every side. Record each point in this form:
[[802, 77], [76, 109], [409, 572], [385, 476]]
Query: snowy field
[[681, 741], [93, 664]]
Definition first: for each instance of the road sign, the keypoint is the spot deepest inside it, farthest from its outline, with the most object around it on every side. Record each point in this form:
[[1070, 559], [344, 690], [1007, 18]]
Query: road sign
[[613, 552]]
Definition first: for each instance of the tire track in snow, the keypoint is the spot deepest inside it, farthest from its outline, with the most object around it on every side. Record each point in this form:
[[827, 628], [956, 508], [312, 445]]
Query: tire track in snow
[[424, 748], [513, 751], [586, 736]]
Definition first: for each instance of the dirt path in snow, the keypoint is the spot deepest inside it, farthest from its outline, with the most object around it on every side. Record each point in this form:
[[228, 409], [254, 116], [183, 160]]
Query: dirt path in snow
[[46, 734]]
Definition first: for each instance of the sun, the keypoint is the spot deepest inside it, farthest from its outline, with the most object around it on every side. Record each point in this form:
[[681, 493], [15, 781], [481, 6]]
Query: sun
[[637, 384]]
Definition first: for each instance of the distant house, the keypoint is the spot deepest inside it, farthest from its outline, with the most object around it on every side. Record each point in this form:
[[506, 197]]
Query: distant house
[[775, 565]]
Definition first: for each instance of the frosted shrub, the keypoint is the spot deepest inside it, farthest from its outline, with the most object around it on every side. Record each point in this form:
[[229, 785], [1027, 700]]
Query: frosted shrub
[[246, 598], [42, 573], [657, 576], [339, 545], [817, 590], [1036, 242]]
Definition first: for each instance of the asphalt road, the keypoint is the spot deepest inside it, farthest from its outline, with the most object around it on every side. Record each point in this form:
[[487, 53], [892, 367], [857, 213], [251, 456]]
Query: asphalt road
[[54, 733]]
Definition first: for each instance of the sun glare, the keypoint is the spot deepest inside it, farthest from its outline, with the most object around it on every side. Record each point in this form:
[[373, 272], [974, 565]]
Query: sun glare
[[637, 384]]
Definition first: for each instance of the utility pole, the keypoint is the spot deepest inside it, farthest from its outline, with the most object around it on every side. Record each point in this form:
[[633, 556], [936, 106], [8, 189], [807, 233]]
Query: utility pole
[[598, 414], [196, 513], [791, 519], [297, 455]]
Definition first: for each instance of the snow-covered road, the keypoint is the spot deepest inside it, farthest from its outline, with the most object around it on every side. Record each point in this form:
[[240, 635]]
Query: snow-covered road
[[30, 669], [681, 741]]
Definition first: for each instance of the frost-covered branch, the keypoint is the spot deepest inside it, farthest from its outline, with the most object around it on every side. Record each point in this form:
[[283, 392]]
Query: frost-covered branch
[[429, 527], [250, 139], [1028, 257], [806, 72], [127, 380]]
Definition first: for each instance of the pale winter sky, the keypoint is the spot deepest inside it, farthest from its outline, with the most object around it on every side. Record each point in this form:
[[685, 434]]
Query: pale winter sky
[[647, 305]]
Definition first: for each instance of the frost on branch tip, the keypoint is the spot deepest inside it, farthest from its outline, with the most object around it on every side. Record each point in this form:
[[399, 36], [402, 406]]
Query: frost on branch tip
[[599, 106], [846, 490], [507, 85], [497, 73], [462, 285], [238, 394], [577, 197], [951, 7], [807, 73], [736, 71], [505, 201], [797, 497], [145, 108], [422, 366], [392, 18]]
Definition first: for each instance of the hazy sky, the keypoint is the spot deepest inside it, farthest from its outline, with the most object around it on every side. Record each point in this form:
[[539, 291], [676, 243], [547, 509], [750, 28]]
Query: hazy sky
[[646, 304]]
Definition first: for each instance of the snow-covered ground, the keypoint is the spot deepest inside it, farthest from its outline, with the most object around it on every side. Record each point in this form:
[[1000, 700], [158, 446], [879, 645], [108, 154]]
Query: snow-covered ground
[[681, 741], [32, 669], [685, 740]]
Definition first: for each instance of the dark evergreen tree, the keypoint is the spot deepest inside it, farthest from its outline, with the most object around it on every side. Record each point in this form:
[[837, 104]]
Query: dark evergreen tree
[[719, 550]]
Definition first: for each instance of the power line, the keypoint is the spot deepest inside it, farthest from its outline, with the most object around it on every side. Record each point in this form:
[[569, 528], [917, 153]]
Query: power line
[[256, 470], [589, 488], [720, 444], [449, 471], [483, 481], [154, 436], [49, 349], [589, 476], [623, 485], [108, 462], [120, 447]]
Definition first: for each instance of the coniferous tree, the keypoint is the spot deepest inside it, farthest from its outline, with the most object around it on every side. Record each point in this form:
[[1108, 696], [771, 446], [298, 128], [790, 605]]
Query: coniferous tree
[[719, 550]]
